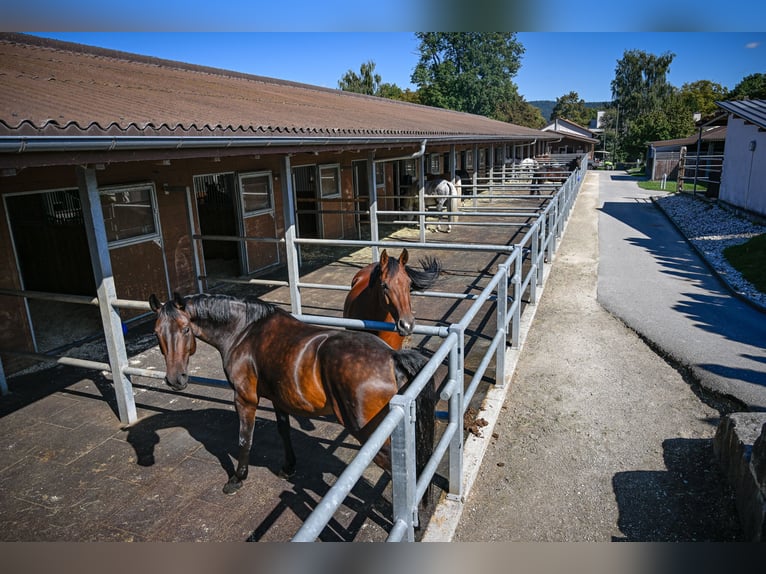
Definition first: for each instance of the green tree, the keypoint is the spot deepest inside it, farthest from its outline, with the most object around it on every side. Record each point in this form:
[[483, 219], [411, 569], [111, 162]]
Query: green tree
[[572, 107], [516, 110], [670, 121], [640, 90], [752, 87], [608, 138], [366, 82], [701, 96], [640, 83], [467, 71]]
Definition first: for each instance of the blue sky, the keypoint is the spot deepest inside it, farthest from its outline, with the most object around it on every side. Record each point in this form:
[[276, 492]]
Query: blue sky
[[554, 63]]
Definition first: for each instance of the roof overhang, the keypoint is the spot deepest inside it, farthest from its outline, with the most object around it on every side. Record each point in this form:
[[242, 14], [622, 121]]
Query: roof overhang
[[36, 151]]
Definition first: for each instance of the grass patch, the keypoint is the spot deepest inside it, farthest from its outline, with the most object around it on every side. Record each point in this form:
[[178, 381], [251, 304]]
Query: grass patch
[[670, 186], [749, 259]]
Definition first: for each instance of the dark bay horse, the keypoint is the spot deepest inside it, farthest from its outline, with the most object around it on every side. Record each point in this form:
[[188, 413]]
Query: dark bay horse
[[381, 292], [302, 369]]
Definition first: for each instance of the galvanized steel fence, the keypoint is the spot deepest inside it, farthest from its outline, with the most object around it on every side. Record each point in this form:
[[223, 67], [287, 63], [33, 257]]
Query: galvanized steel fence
[[519, 275]]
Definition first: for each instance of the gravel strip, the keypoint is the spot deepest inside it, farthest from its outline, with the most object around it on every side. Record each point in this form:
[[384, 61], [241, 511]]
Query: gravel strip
[[711, 229]]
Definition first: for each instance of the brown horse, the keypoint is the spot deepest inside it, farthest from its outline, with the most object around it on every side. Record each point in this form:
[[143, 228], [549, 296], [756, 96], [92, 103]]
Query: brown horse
[[302, 369], [381, 292]]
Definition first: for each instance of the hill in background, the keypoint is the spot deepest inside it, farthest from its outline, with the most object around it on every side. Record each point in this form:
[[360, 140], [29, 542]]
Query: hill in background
[[546, 106]]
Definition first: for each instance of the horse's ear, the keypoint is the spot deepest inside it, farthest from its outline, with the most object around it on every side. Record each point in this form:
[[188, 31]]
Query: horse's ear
[[404, 257], [383, 259], [178, 301], [154, 303]]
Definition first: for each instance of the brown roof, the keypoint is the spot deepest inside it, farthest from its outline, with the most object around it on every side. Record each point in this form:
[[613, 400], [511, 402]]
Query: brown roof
[[53, 88], [717, 133]]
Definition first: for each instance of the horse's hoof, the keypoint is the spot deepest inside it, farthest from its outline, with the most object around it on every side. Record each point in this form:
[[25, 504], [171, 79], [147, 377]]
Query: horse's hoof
[[232, 486]]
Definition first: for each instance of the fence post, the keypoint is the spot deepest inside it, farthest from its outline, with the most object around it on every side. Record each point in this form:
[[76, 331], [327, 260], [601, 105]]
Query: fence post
[[105, 290], [516, 319], [421, 199], [536, 264], [404, 478], [502, 321], [374, 232], [291, 232], [681, 170], [456, 357]]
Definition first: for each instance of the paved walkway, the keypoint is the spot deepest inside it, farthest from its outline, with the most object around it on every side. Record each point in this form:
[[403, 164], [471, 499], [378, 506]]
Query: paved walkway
[[651, 279], [599, 438]]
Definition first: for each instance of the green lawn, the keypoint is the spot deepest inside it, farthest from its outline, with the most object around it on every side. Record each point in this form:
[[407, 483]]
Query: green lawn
[[750, 259], [670, 186]]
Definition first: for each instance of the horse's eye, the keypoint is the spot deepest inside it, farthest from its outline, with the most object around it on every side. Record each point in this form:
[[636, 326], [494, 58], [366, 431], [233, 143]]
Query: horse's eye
[[385, 286], [185, 330]]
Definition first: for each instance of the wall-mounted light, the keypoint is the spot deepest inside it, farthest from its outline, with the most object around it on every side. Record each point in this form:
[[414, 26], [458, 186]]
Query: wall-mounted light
[[751, 145]]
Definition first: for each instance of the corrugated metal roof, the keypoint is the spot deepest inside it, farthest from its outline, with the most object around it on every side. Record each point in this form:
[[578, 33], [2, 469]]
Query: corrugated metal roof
[[52, 88], [753, 111]]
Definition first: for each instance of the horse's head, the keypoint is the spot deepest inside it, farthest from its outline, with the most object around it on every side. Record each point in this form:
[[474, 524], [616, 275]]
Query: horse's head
[[173, 328], [395, 291]]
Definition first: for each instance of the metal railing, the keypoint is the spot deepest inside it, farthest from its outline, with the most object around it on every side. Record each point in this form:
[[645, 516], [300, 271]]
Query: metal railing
[[518, 275]]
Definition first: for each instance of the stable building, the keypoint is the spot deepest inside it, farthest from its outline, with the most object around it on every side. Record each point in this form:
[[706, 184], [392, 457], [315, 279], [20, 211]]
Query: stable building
[[124, 175]]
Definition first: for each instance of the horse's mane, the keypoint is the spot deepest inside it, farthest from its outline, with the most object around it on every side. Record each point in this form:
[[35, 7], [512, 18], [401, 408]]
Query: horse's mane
[[421, 280], [224, 308], [424, 279]]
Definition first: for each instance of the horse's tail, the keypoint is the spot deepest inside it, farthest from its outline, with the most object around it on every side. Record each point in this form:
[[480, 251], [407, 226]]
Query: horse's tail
[[422, 280], [408, 364]]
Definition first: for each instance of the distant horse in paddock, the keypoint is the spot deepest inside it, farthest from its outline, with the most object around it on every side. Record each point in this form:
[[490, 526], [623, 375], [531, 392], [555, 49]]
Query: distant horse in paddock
[[302, 369], [440, 195], [381, 292]]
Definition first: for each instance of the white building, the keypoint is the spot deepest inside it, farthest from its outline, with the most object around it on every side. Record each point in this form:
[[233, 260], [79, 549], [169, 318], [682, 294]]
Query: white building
[[743, 181]]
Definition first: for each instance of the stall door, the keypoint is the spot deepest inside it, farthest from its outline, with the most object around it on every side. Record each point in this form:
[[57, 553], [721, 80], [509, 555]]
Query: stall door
[[218, 210], [305, 189], [256, 193]]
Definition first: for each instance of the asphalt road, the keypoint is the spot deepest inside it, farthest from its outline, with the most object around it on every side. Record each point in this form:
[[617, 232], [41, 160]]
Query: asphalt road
[[600, 438], [651, 279]]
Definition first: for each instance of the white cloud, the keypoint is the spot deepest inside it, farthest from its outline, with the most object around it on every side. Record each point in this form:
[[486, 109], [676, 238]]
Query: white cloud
[[751, 45]]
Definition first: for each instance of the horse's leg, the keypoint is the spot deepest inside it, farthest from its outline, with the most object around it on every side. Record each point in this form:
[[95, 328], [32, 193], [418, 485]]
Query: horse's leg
[[283, 428], [246, 412], [439, 210]]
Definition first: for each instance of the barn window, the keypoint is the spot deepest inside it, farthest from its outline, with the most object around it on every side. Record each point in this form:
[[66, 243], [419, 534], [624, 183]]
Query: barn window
[[380, 175], [129, 214], [257, 195], [329, 180], [435, 164], [468, 160]]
